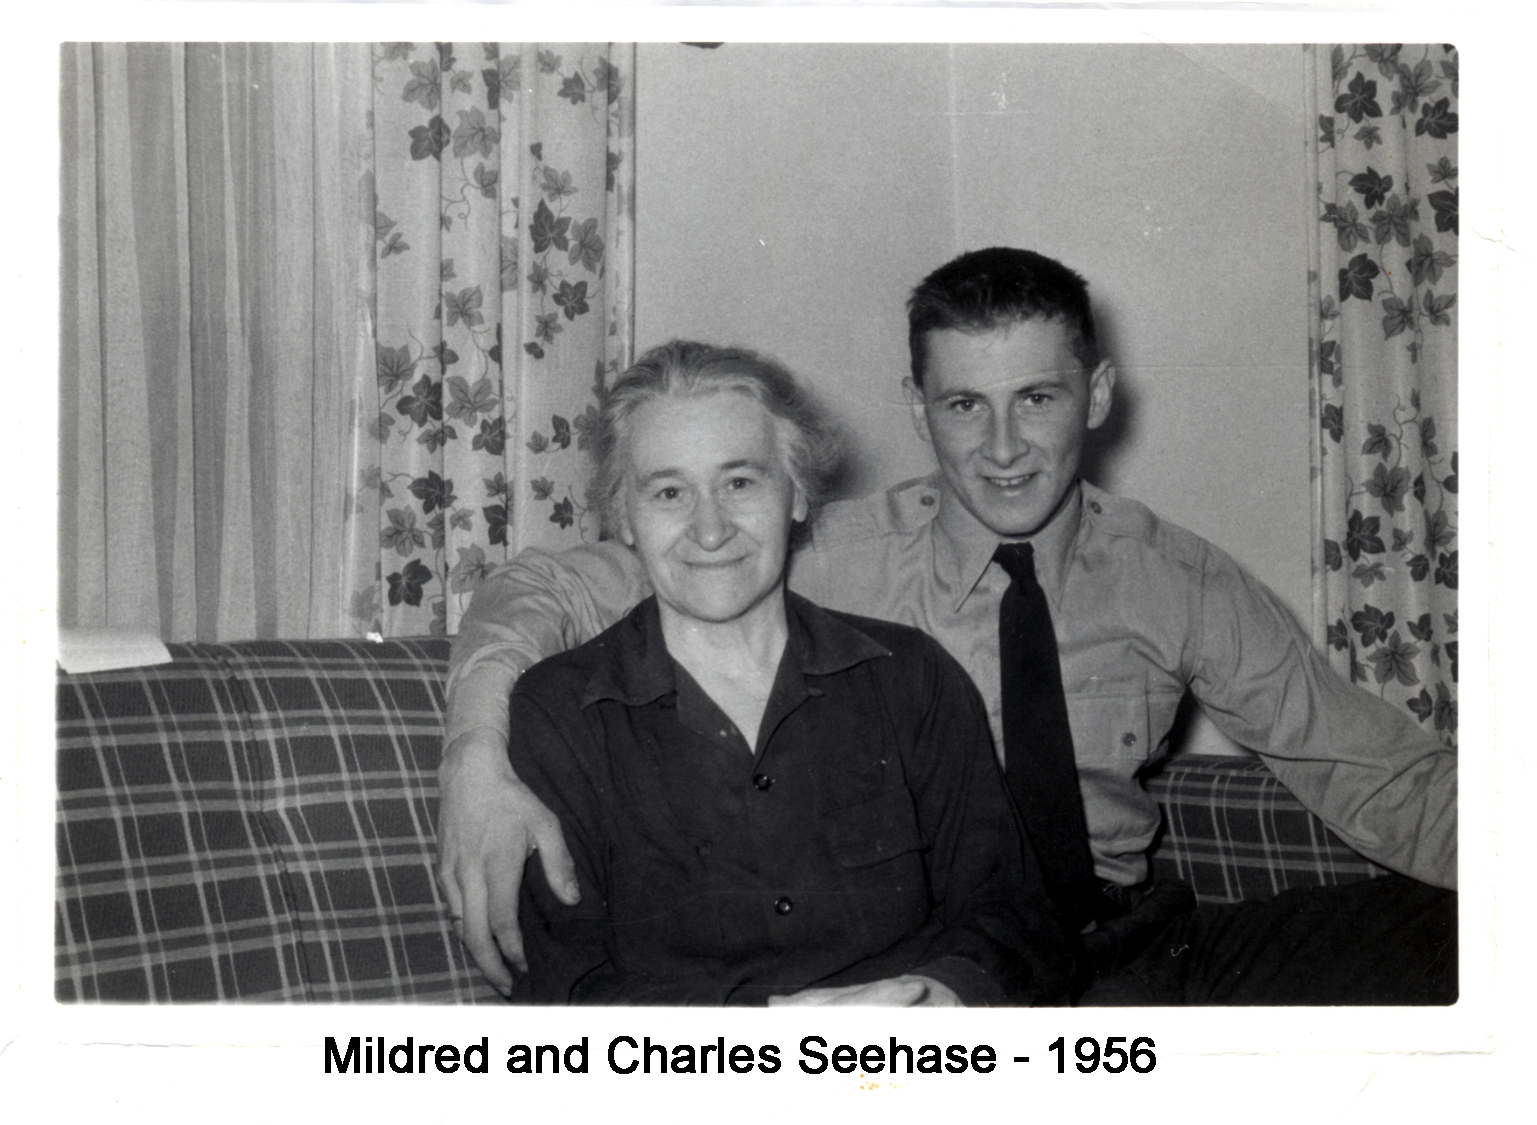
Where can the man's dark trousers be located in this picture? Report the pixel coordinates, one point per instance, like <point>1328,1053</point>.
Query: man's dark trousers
<point>1386,941</point>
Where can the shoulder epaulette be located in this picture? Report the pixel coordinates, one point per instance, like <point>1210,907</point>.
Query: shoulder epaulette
<point>1116,515</point>
<point>901,509</point>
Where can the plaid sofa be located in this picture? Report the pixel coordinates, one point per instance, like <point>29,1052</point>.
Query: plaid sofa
<point>254,821</point>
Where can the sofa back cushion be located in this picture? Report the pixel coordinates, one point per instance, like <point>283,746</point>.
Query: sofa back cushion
<point>1232,831</point>
<point>347,736</point>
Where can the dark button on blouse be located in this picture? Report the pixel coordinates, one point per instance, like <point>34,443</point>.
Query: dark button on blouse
<point>783,905</point>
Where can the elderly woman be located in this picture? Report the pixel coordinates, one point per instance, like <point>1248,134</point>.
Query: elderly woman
<point>765,800</point>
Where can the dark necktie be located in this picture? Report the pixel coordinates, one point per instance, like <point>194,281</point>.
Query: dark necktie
<point>1037,741</point>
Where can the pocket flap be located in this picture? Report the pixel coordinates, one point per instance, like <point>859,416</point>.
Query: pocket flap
<point>874,831</point>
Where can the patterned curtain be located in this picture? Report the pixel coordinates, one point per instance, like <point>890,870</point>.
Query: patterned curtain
<point>332,321</point>
<point>1384,370</point>
<point>504,225</point>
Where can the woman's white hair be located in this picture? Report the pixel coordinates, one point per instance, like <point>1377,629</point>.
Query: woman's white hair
<point>688,369</point>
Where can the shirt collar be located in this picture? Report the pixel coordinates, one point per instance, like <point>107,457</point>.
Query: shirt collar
<point>963,546</point>
<point>636,668</point>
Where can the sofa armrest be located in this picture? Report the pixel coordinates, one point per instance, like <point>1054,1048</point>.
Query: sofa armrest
<point>254,821</point>
<point>166,889</point>
<point>1232,831</point>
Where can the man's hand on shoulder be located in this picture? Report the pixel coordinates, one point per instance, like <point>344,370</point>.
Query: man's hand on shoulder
<point>489,823</point>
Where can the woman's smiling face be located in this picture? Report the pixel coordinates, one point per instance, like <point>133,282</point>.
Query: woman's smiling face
<point>708,503</point>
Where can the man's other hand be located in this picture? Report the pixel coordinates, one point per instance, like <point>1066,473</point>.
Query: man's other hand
<point>489,823</point>
<point>907,991</point>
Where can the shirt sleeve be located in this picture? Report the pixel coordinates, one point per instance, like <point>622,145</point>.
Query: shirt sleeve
<point>1386,786</point>
<point>1002,940</point>
<point>570,953</point>
<point>538,605</point>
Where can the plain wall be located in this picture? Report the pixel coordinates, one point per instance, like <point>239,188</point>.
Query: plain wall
<point>789,195</point>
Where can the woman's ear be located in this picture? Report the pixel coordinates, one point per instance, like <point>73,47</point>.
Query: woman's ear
<point>626,536</point>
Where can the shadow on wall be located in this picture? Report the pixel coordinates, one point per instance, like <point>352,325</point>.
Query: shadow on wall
<point>853,476</point>
<point>1103,450</point>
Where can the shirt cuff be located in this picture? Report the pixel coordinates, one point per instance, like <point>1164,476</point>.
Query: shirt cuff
<point>976,987</point>
<point>478,694</point>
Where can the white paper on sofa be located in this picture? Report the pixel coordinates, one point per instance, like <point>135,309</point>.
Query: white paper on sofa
<point>103,649</point>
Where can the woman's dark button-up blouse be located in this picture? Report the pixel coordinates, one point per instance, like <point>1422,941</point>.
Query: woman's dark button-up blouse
<point>867,835</point>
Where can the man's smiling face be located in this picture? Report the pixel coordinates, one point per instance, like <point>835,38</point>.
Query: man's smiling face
<point>1007,410</point>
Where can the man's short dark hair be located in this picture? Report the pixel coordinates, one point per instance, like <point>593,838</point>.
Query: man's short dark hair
<point>986,289</point>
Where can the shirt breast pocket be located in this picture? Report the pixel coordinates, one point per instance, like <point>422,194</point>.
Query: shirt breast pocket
<point>1110,724</point>
<point>880,876</point>
<point>1119,726</point>
<point>874,831</point>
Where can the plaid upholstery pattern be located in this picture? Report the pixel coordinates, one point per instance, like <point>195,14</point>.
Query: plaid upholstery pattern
<point>255,821</point>
<point>166,888</point>
<point>1232,831</point>
<point>348,734</point>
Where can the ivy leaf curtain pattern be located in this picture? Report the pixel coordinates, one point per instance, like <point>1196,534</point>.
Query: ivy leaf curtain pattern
<point>1383,355</point>
<point>334,317</point>
<point>503,226</point>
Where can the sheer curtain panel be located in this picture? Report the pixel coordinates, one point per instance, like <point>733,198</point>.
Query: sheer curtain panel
<point>333,319</point>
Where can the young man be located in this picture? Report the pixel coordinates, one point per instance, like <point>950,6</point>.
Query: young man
<point>1006,383</point>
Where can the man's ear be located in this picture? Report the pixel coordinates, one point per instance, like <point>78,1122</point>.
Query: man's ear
<point>1101,391</point>
<point>915,404</point>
